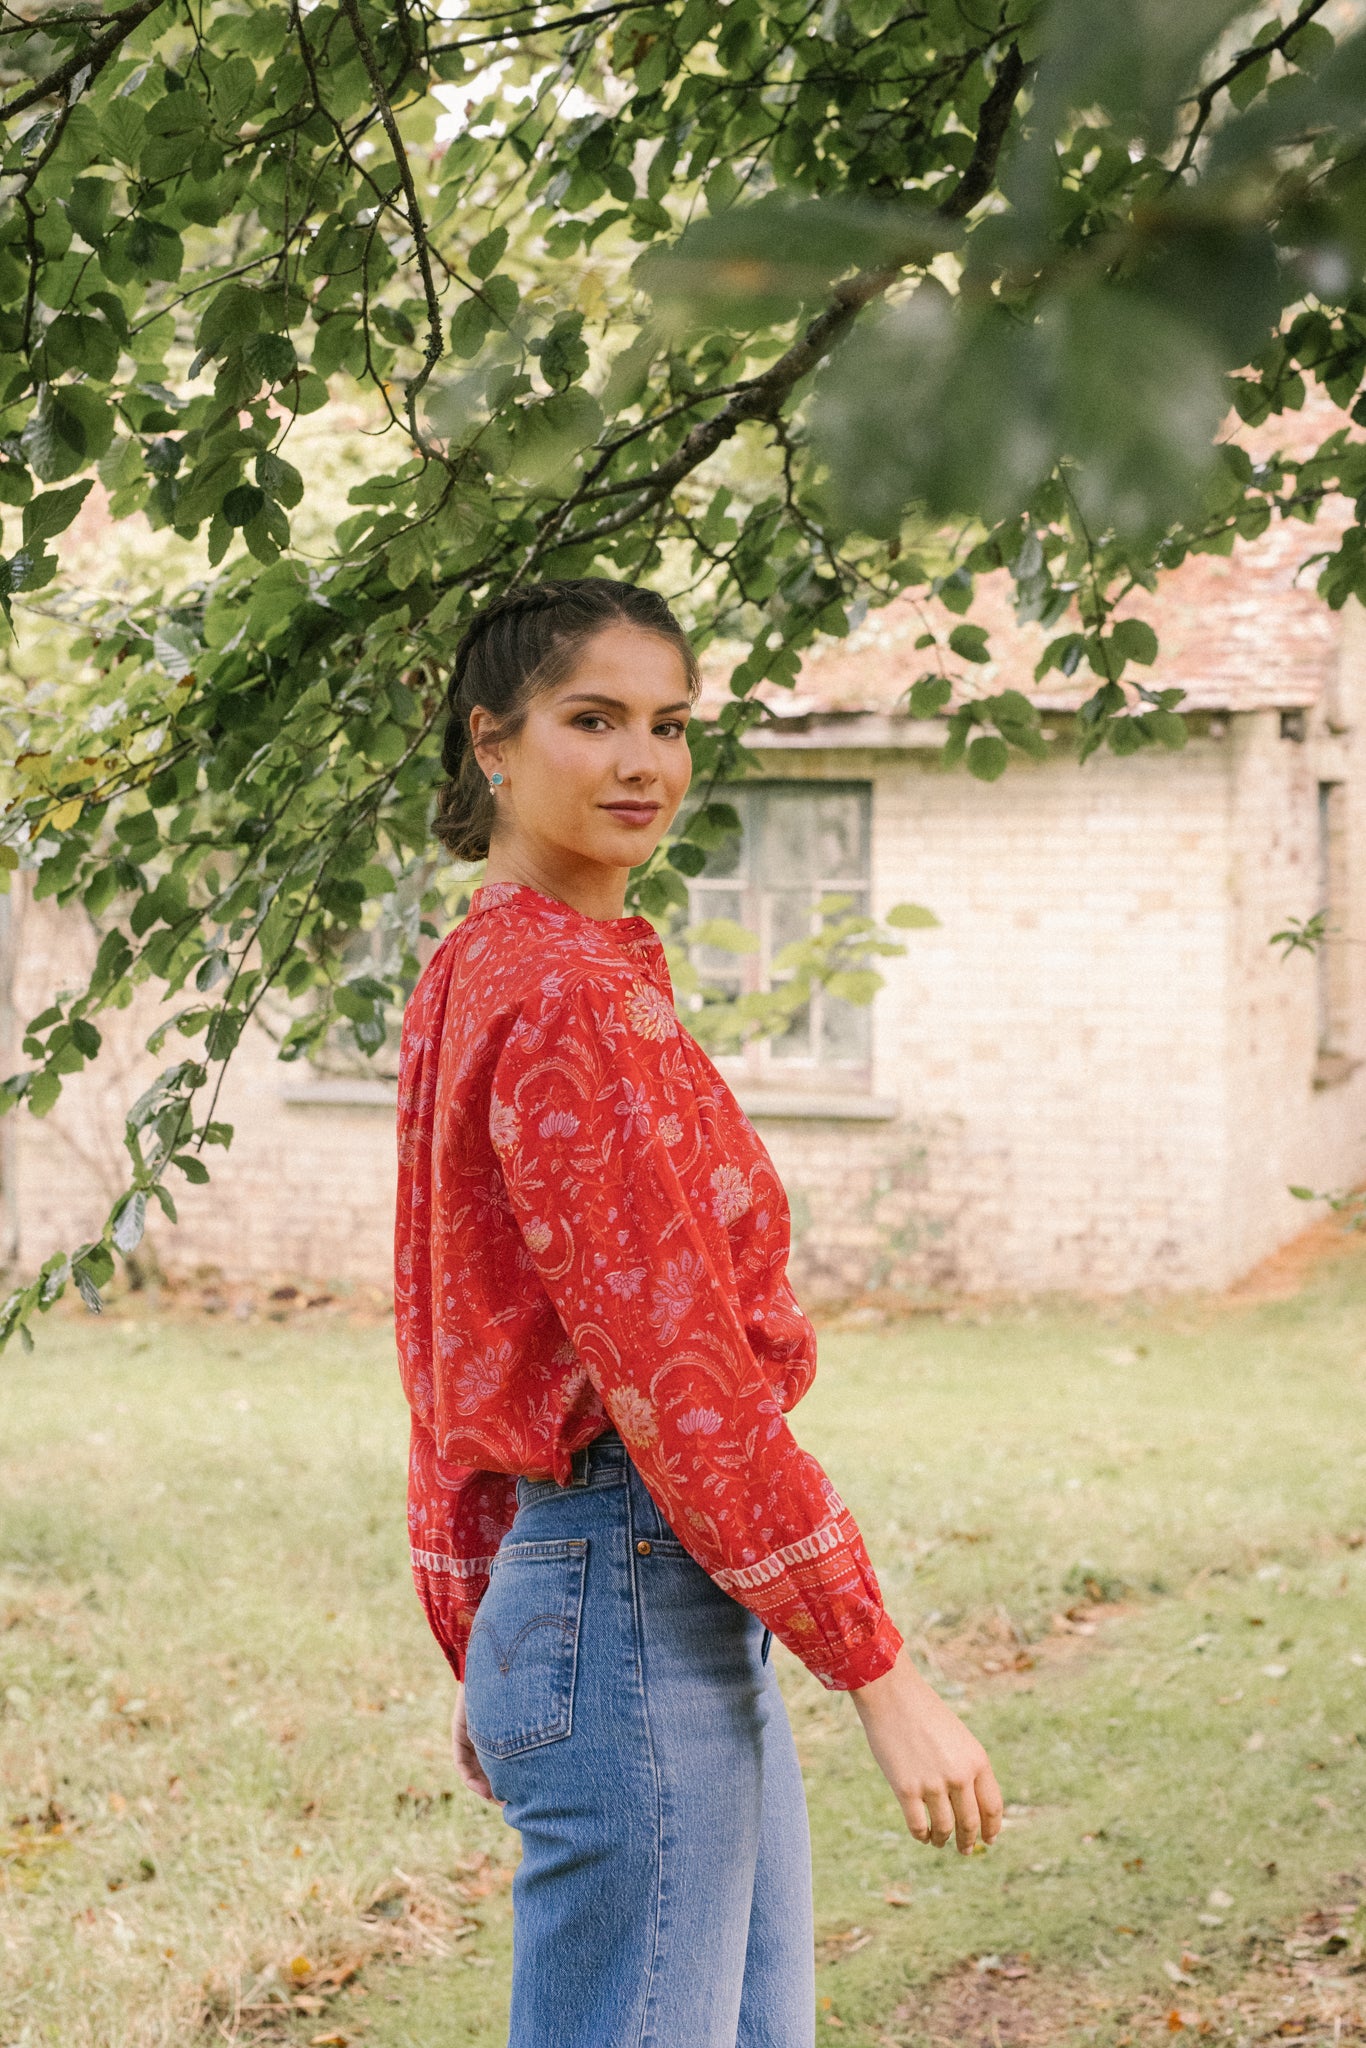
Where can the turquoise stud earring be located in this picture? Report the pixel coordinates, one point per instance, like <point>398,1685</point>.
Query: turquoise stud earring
<point>495,781</point>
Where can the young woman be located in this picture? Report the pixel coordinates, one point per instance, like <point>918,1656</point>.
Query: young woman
<point>609,1515</point>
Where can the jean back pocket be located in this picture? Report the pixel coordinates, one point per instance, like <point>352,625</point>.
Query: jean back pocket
<point>523,1649</point>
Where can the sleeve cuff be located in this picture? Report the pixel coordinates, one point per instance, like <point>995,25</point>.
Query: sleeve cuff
<point>869,1661</point>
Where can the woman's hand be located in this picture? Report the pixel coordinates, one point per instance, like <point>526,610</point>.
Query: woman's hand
<point>468,1767</point>
<point>937,1768</point>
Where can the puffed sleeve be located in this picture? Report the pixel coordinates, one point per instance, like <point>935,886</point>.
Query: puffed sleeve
<point>593,1102</point>
<point>457,1517</point>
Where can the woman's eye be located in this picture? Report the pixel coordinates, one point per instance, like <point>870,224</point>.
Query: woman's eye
<point>590,721</point>
<point>671,727</point>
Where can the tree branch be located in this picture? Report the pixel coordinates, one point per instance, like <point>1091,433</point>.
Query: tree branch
<point>763,396</point>
<point>543,28</point>
<point>435,346</point>
<point>1244,61</point>
<point>93,57</point>
<point>992,126</point>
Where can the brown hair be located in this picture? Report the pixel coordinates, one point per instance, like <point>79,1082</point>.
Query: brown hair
<point>518,646</point>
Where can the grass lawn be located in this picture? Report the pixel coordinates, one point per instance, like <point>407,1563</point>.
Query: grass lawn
<point>1128,1543</point>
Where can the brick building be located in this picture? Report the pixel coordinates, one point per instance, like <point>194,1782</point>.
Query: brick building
<point>1096,1073</point>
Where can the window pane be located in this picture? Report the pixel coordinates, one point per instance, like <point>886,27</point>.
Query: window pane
<point>789,918</point>
<point>785,838</point>
<point>800,841</point>
<point>845,1032</point>
<point>716,963</point>
<point>837,835</point>
<point>795,1043</point>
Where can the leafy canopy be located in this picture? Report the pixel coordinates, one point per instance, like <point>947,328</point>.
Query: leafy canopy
<point>785,306</point>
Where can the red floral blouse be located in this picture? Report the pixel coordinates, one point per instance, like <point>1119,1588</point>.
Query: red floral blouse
<point>590,1233</point>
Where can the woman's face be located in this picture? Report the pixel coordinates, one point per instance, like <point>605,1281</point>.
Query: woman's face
<point>598,771</point>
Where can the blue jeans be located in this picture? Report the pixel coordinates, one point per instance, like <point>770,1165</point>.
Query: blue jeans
<point>624,1709</point>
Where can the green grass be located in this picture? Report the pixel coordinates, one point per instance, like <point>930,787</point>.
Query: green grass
<point>224,1732</point>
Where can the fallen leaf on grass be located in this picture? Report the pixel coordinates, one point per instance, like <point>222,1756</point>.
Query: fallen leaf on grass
<point>1177,1974</point>
<point>835,1947</point>
<point>897,1899</point>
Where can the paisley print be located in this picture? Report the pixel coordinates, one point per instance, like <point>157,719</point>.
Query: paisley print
<point>590,1233</point>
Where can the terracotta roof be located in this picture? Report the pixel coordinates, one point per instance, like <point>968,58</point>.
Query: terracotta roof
<point>1243,632</point>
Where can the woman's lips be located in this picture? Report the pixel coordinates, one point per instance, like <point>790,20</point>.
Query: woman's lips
<point>633,814</point>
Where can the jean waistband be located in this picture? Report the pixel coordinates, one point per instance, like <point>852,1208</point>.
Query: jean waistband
<point>601,1459</point>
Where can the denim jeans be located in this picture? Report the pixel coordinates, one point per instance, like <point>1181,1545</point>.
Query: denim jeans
<point>625,1710</point>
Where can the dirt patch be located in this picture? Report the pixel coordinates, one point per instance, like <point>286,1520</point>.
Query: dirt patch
<point>1309,1986</point>
<point>993,1649</point>
<point>1286,1271</point>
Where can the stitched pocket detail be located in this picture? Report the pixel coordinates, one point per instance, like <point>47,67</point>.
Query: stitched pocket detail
<point>523,1649</point>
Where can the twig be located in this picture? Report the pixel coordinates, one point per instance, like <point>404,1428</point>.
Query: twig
<point>1244,61</point>
<point>543,28</point>
<point>93,58</point>
<point>435,348</point>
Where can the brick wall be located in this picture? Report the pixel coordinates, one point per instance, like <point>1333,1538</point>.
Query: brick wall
<point>1097,1073</point>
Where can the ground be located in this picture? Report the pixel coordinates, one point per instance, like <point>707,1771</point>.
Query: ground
<point>1127,1541</point>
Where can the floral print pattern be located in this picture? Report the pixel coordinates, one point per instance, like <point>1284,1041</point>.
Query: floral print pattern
<point>590,1234</point>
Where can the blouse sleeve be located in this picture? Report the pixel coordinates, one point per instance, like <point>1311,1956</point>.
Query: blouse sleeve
<point>591,1105</point>
<point>457,1517</point>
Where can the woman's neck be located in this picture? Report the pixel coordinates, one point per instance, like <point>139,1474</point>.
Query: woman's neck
<point>585,886</point>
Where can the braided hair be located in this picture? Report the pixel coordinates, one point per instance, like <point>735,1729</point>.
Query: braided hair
<point>520,645</point>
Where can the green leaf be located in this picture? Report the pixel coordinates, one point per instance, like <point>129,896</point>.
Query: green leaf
<point>271,357</point>
<point>52,513</point>
<point>43,1092</point>
<point>763,263</point>
<point>1141,398</point>
<point>856,985</point>
<point>931,404</point>
<point>130,1220</point>
<point>970,643</point>
<point>1169,727</point>
<point>911,917</point>
<point>687,858</point>
<point>1134,640</point>
<point>231,317</point>
<point>242,504</point>
<point>487,253</point>
<point>987,758</point>
<point>470,324</point>
<point>723,935</point>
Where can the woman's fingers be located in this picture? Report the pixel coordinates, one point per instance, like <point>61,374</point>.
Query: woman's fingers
<point>472,1774</point>
<point>967,1820</point>
<point>990,1804</point>
<point>940,1809</point>
<point>916,1818</point>
<point>468,1768</point>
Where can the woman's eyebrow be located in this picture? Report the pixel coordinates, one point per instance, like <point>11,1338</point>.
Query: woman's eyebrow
<point>615,703</point>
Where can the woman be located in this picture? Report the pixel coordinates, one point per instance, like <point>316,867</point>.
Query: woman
<point>608,1513</point>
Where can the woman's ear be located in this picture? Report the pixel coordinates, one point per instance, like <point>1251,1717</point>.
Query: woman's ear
<point>484,740</point>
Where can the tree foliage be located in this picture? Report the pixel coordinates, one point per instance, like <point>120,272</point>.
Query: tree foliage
<point>788,305</point>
